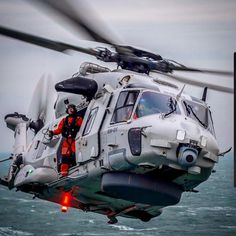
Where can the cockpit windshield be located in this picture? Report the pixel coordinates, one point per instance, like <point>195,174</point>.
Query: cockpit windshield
<point>153,103</point>
<point>196,111</point>
<point>200,113</point>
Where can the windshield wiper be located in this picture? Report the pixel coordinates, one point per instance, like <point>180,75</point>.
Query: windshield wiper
<point>189,109</point>
<point>172,106</point>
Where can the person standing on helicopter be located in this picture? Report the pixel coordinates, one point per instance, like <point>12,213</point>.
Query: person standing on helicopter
<point>68,127</point>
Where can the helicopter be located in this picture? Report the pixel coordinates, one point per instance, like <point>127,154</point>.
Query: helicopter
<point>143,141</point>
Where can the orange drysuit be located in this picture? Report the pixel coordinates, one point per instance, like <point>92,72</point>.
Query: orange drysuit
<point>68,127</point>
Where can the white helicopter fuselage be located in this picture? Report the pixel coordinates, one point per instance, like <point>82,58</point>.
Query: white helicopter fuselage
<point>108,145</point>
<point>142,143</point>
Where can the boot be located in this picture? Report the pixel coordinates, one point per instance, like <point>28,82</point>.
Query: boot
<point>64,169</point>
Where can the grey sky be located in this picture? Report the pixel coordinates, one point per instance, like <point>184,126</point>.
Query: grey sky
<point>196,33</point>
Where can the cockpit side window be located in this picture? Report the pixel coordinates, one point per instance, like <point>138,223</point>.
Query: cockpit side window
<point>124,106</point>
<point>153,103</point>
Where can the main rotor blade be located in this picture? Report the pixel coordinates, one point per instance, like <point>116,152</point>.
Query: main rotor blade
<point>43,42</point>
<point>77,17</point>
<point>189,69</point>
<point>67,11</point>
<point>200,84</point>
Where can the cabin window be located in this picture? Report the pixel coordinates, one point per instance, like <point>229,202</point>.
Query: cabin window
<point>135,141</point>
<point>124,106</point>
<point>90,121</point>
<point>153,103</point>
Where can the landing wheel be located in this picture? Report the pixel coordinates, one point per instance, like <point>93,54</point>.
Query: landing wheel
<point>112,220</point>
<point>145,219</point>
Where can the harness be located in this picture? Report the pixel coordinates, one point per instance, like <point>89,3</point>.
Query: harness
<point>70,129</point>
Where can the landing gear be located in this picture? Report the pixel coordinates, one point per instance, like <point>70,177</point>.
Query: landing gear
<point>15,167</point>
<point>112,220</point>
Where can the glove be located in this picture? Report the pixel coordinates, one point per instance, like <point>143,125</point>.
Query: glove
<point>50,133</point>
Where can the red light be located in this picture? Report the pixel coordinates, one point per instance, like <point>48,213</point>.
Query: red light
<point>65,202</point>
<point>64,208</point>
<point>66,199</point>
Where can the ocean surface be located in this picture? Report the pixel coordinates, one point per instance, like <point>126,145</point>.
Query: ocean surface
<point>212,211</point>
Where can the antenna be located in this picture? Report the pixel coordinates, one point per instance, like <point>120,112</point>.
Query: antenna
<point>204,95</point>
<point>179,94</point>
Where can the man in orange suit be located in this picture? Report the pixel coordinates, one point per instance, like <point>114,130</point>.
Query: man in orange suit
<point>68,127</point>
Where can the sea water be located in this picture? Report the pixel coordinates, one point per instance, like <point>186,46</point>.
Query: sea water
<point>212,211</point>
